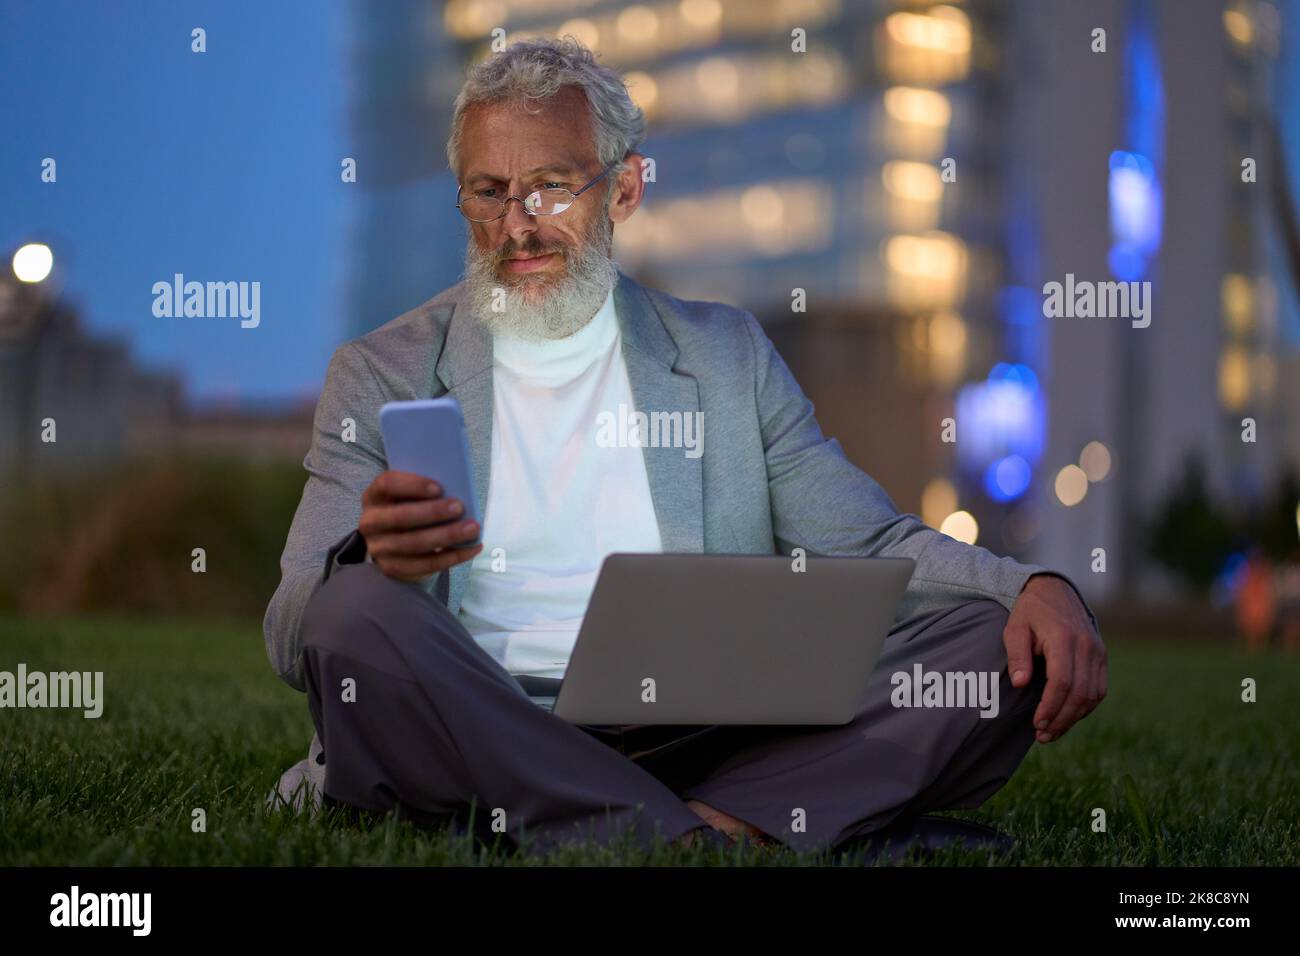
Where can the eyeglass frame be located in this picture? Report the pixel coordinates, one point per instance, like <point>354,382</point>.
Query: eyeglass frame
<point>505,202</point>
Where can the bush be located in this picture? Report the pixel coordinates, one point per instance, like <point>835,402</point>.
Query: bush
<point>121,538</point>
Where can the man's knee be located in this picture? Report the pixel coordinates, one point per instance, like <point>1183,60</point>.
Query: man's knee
<point>364,614</point>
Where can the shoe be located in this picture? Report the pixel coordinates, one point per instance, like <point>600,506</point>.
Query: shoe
<point>923,836</point>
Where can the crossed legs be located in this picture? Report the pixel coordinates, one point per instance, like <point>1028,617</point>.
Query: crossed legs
<point>415,717</point>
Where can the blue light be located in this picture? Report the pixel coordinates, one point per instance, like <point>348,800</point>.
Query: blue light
<point>1126,263</point>
<point>1135,193</point>
<point>1014,372</point>
<point>1135,202</point>
<point>1021,306</point>
<point>1007,478</point>
<point>1003,416</point>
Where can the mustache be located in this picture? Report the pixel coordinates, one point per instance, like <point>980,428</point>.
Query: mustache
<point>510,249</point>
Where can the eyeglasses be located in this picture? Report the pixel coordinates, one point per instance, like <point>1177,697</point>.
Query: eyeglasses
<point>541,202</point>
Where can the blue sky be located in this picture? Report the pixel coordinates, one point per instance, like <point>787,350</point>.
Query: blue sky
<point>222,166</point>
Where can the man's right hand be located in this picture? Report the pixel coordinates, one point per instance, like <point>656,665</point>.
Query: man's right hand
<point>411,531</point>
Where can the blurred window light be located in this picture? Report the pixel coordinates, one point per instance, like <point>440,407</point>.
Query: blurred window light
<point>908,104</point>
<point>768,219</point>
<point>925,271</point>
<point>718,79</point>
<point>765,16</point>
<point>473,19</point>
<point>910,180</point>
<point>913,193</point>
<point>701,14</point>
<point>639,32</point>
<point>1004,415</point>
<point>1135,214</point>
<point>915,121</point>
<point>761,207</point>
<point>931,48</point>
<point>1095,461</point>
<point>732,89</point>
<point>946,30</point>
<point>1237,24</point>
<point>1237,295</point>
<point>938,501</point>
<point>1071,485</point>
<point>637,24</point>
<point>33,262</point>
<point>962,526</point>
<point>1234,378</point>
<point>582,30</point>
<point>931,256</point>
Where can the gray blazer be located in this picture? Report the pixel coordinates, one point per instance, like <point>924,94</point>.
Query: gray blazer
<point>767,482</point>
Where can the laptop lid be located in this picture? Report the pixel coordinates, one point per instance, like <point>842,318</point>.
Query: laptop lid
<point>730,639</point>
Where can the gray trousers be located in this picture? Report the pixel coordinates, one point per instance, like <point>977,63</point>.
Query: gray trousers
<point>415,717</point>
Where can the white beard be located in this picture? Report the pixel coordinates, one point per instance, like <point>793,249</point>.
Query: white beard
<point>539,307</point>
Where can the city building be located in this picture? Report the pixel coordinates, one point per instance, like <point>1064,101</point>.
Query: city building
<point>890,185</point>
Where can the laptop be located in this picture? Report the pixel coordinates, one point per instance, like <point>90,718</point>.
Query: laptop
<point>726,639</point>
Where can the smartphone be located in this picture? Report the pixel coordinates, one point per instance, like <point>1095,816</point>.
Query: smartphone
<point>427,437</point>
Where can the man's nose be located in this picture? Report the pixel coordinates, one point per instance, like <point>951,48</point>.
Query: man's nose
<point>517,223</point>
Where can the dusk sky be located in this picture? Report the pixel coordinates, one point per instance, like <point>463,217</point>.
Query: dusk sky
<point>223,166</point>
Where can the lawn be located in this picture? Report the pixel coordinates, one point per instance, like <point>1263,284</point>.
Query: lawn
<point>1186,772</point>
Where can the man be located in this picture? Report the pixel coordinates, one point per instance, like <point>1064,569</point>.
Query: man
<point>416,653</point>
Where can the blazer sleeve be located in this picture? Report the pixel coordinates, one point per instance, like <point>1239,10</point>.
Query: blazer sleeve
<point>824,504</point>
<point>323,534</point>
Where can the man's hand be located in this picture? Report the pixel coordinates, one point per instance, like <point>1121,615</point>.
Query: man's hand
<point>410,530</point>
<point>1049,619</point>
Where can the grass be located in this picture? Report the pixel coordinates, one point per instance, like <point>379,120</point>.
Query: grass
<point>1187,774</point>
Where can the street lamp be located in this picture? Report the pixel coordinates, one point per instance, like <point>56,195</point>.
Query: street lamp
<point>33,262</point>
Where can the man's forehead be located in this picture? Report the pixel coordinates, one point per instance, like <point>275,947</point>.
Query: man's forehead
<point>542,136</point>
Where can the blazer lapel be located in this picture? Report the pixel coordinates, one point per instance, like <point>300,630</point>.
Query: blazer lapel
<point>465,369</point>
<point>676,482</point>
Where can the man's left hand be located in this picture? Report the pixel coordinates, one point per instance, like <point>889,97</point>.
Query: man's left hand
<point>1049,619</point>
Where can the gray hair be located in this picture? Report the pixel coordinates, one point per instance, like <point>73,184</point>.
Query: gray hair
<point>537,69</point>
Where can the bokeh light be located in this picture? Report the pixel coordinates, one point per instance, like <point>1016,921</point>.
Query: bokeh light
<point>1071,485</point>
<point>1007,478</point>
<point>1095,461</point>
<point>33,262</point>
<point>962,526</point>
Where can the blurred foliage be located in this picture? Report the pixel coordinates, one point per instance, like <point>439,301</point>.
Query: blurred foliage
<point>1193,535</point>
<point>122,537</point>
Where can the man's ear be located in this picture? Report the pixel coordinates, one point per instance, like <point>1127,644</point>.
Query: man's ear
<point>629,187</point>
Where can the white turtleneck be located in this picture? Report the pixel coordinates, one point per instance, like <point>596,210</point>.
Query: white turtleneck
<point>558,503</point>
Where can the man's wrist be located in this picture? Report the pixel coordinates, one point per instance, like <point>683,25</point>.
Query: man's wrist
<point>1071,585</point>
